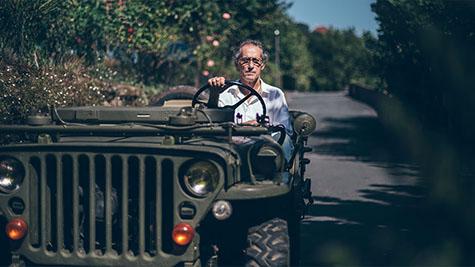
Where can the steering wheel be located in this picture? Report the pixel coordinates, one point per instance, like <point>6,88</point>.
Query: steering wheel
<point>214,96</point>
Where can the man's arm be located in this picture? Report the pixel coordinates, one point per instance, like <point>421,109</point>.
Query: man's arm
<point>279,114</point>
<point>214,94</point>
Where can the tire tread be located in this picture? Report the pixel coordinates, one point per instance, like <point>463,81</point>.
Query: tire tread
<point>268,244</point>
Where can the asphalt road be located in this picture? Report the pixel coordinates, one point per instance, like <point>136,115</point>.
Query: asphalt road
<point>366,195</point>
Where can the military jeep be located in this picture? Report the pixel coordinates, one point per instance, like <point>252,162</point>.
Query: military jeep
<point>152,186</point>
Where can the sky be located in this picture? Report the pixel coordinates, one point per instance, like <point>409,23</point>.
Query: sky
<point>337,13</point>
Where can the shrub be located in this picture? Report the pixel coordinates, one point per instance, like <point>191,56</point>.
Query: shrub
<point>27,89</point>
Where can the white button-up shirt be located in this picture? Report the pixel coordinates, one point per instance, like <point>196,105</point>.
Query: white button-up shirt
<point>274,98</point>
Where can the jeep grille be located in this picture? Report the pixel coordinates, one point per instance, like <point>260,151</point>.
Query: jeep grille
<point>101,205</point>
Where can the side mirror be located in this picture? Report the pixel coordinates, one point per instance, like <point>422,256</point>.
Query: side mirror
<point>303,123</point>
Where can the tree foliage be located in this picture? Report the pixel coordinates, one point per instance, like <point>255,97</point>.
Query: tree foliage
<point>169,42</point>
<point>341,57</point>
<point>149,41</point>
<point>426,54</point>
<point>296,64</point>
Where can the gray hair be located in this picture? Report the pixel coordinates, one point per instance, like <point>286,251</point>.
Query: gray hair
<point>238,52</point>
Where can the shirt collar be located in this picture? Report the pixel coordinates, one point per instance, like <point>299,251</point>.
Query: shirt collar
<point>264,88</point>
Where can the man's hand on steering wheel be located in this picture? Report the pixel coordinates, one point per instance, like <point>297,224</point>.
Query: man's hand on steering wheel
<point>222,84</point>
<point>217,81</point>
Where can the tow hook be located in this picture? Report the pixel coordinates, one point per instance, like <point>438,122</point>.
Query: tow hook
<point>17,261</point>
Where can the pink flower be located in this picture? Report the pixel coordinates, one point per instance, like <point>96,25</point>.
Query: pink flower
<point>226,15</point>
<point>210,63</point>
<point>215,43</point>
<point>205,73</point>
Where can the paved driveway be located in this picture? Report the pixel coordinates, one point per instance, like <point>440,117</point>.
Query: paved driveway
<point>366,195</point>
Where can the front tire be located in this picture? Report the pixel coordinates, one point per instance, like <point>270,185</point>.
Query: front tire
<point>268,244</point>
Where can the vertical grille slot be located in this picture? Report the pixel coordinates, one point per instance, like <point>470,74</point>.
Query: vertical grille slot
<point>108,205</point>
<point>49,175</point>
<point>84,201</point>
<point>75,189</point>
<point>141,207</point>
<point>133,173</point>
<point>35,232</point>
<point>158,207</point>
<point>150,197</point>
<point>167,205</point>
<point>125,207</point>
<point>100,173</point>
<point>68,202</point>
<point>117,192</point>
<point>92,206</point>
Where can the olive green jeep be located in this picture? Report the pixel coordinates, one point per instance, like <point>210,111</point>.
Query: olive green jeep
<point>152,186</point>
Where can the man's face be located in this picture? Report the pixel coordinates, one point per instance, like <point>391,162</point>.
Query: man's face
<point>250,63</point>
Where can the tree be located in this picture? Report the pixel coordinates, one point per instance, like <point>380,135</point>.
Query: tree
<point>155,42</point>
<point>26,25</point>
<point>341,57</point>
<point>296,63</point>
<point>426,54</point>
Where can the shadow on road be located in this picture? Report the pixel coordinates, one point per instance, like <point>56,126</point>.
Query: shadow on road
<point>361,137</point>
<point>393,224</point>
<point>396,230</point>
<point>364,139</point>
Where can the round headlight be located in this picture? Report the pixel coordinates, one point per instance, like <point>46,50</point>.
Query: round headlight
<point>200,178</point>
<point>12,173</point>
<point>266,160</point>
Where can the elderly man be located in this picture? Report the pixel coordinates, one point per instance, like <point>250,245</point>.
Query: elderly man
<point>250,60</point>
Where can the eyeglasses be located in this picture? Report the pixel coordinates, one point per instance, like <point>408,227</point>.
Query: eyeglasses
<point>245,61</point>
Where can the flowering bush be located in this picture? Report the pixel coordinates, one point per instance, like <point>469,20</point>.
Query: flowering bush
<point>27,89</point>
